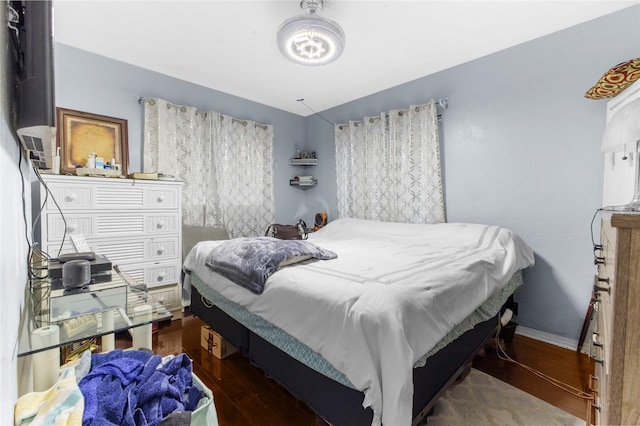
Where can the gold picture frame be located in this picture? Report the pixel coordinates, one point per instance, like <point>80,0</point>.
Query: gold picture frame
<point>80,134</point>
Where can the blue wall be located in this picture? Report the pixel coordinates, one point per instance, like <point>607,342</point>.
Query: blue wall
<point>520,148</point>
<point>520,144</point>
<point>96,84</point>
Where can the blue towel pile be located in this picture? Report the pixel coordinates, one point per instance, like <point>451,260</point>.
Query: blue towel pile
<point>137,388</point>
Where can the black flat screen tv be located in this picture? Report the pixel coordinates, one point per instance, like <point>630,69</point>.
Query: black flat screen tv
<point>31,30</point>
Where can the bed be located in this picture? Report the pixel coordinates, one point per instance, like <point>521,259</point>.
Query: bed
<point>375,335</point>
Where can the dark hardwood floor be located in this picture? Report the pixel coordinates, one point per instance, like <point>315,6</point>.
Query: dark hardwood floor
<point>565,365</point>
<point>245,396</point>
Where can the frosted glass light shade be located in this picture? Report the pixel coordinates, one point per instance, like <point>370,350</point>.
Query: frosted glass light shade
<point>310,40</point>
<point>623,130</point>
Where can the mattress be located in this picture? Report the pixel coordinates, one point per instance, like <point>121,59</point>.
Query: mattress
<point>394,292</point>
<point>315,361</point>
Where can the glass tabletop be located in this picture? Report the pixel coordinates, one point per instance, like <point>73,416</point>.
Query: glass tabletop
<point>56,317</point>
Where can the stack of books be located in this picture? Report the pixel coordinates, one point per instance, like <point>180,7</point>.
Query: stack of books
<point>141,175</point>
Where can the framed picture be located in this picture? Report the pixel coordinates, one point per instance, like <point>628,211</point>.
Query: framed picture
<point>81,134</point>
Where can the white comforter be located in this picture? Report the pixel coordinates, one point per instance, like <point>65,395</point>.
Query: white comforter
<point>393,292</point>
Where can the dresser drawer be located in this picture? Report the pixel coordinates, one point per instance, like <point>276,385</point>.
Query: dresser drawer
<point>85,193</point>
<point>609,242</point>
<point>605,329</point>
<point>122,251</point>
<point>134,194</point>
<point>72,224</point>
<point>155,274</point>
<point>163,248</point>
<point>138,250</point>
<point>110,224</point>
<point>94,225</point>
<point>600,348</point>
<point>160,274</point>
<point>156,223</point>
<point>70,196</point>
<point>168,296</point>
<point>161,198</point>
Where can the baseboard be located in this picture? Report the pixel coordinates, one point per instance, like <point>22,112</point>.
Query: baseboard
<point>553,339</point>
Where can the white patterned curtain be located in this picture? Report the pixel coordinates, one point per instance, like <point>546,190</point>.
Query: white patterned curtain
<point>210,154</point>
<point>388,169</point>
<point>243,159</point>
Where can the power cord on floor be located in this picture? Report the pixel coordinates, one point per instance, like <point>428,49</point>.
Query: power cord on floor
<point>578,393</point>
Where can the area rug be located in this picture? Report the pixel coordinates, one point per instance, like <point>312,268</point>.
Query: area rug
<point>484,400</point>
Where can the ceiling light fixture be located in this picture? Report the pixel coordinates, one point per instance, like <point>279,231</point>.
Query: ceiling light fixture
<point>310,39</point>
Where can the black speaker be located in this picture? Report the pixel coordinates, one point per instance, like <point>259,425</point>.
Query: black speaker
<point>76,274</point>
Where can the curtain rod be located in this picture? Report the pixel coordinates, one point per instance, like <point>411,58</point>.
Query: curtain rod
<point>183,108</point>
<point>442,103</point>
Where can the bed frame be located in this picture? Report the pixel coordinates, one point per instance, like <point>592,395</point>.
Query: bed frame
<point>335,403</point>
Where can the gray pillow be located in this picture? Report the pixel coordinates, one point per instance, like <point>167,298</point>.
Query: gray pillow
<point>248,262</point>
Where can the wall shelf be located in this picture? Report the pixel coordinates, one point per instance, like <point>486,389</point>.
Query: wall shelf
<point>303,162</point>
<point>303,183</point>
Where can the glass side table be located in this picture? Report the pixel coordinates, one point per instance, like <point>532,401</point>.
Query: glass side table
<point>54,318</point>
<point>103,308</point>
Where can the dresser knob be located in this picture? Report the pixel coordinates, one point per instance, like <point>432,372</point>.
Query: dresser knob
<point>595,342</point>
<point>603,280</point>
<point>598,260</point>
<point>160,198</point>
<point>599,361</point>
<point>605,289</point>
<point>161,276</point>
<point>70,197</point>
<point>160,225</point>
<point>161,250</point>
<point>71,228</point>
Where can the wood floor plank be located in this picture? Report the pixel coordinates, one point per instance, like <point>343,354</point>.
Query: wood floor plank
<point>244,395</point>
<point>564,365</point>
<point>236,389</point>
<point>252,409</point>
<point>240,379</point>
<point>288,407</point>
<point>227,411</point>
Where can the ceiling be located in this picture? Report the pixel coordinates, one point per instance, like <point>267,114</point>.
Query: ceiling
<point>230,45</point>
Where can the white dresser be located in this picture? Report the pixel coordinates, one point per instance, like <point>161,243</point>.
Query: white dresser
<point>136,224</point>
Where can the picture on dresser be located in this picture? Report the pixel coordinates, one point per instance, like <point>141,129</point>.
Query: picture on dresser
<point>92,141</point>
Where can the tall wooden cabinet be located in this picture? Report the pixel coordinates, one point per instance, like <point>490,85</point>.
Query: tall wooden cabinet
<point>616,339</point>
<point>136,224</point>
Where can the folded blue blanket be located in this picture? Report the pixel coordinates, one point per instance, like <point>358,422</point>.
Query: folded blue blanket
<point>248,262</point>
